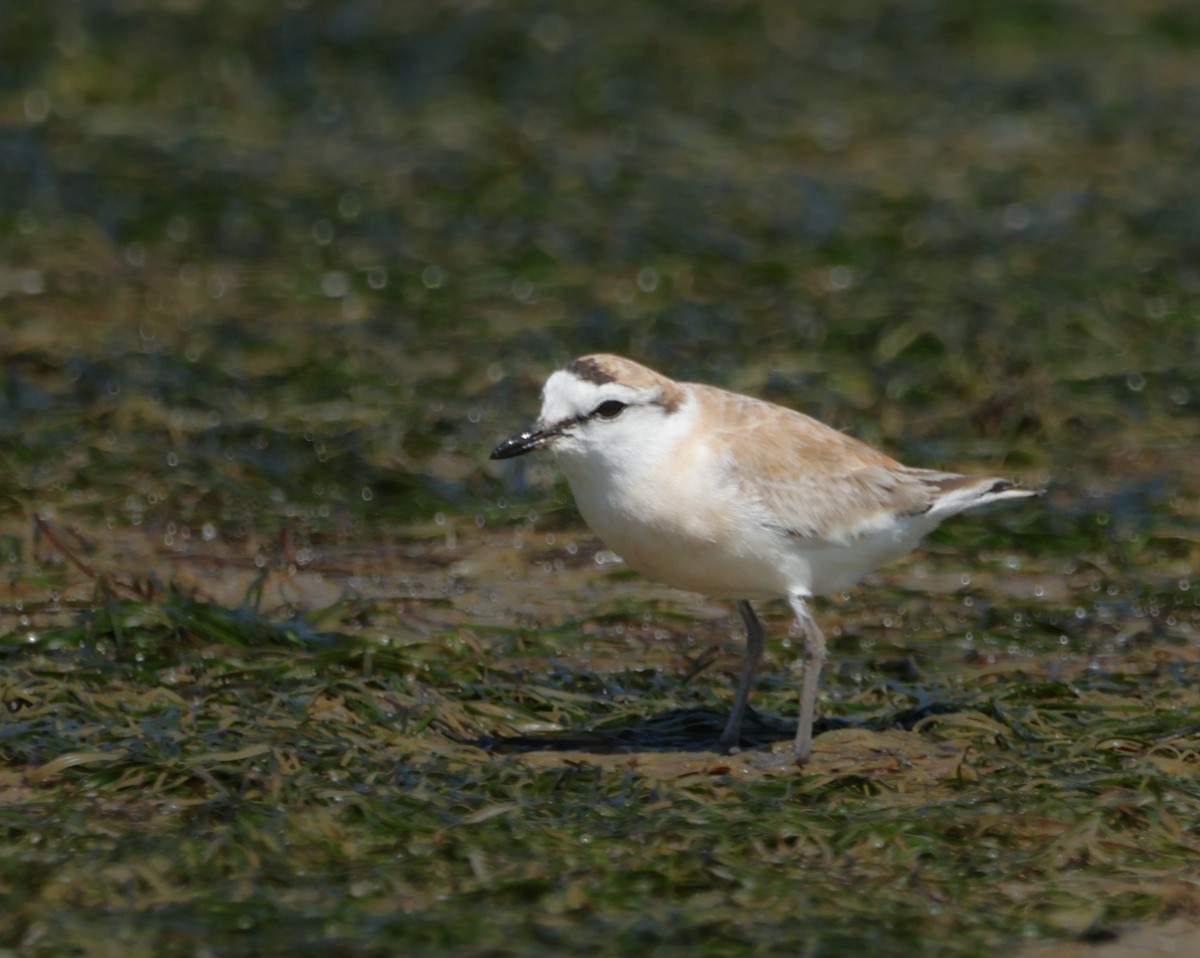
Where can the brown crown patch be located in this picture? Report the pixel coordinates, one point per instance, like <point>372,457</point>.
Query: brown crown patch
<point>603,368</point>
<point>590,369</point>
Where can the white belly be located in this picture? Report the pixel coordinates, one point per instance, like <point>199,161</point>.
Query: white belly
<point>709,545</point>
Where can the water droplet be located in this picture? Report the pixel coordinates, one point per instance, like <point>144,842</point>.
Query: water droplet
<point>37,106</point>
<point>335,285</point>
<point>839,278</point>
<point>523,290</point>
<point>349,205</point>
<point>322,232</point>
<point>178,229</point>
<point>647,279</point>
<point>31,282</point>
<point>551,31</point>
<point>1017,216</point>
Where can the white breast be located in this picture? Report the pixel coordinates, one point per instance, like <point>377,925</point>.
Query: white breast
<point>667,508</point>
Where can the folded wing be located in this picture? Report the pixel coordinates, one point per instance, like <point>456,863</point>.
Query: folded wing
<point>814,482</point>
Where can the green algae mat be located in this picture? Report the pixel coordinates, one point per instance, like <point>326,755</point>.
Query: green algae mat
<point>288,667</point>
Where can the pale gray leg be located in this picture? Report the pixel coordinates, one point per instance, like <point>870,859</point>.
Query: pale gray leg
<point>755,641</point>
<point>814,659</point>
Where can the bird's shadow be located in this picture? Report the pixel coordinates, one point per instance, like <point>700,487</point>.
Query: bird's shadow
<point>690,730</point>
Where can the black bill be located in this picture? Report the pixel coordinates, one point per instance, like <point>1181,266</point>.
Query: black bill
<point>524,442</point>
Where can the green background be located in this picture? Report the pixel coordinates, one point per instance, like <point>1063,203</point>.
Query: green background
<point>277,640</point>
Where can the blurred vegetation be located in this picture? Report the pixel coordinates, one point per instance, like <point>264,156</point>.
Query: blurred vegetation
<point>289,669</point>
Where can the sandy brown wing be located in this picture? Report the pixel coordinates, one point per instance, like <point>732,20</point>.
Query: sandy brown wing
<point>810,480</point>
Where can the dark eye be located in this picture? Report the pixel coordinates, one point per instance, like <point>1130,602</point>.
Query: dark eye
<point>610,409</point>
